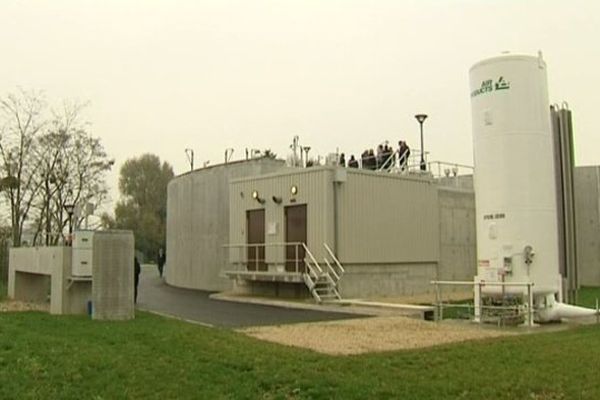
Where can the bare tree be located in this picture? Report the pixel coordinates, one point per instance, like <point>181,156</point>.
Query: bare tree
<point>21,121</point>
<point>49,160</point>
<point>72,170</point>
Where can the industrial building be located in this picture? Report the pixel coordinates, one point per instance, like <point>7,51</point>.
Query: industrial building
<point>262,226</point>
<point>392,233</point>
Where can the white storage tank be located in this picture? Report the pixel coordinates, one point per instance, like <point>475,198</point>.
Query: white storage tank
<point>515,190</point>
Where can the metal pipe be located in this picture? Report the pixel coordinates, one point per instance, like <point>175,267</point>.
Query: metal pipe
<point>530,305</point>
<point>438,305</point>
<point>482,283</point>
<point>335,215</point>
<point>480,305</point>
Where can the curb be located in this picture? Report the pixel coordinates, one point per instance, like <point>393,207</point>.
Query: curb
<point>344,307</point>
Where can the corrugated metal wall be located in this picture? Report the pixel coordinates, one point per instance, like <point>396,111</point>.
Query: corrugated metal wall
<point>387,219</point>
<point>315,189</point>
<point>381,218</point>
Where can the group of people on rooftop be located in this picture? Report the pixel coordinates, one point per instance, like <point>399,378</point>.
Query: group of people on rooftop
<point>385,157</point>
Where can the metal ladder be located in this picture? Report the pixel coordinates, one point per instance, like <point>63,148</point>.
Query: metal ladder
<point>323,282</point>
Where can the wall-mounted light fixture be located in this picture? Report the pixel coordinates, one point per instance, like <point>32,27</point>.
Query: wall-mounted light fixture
<point>256,197</point>
<point>277,199</point>
<point>294,190</point>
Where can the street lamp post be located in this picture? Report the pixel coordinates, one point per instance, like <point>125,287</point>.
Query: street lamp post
<point>69,208</point>
<point>190,155</point>
<point>421,118</point>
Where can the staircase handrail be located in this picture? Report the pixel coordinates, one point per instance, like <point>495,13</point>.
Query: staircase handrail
<point>312,258</point>
<point>331,270</point>
<point>334,258</point>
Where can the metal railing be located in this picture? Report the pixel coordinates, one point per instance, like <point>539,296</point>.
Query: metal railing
<point>388,163</point>
<point>441,169</point>
<point>255,254</point>
<point>338,271</point>
<point>313,270</point>
<point>478,307</point>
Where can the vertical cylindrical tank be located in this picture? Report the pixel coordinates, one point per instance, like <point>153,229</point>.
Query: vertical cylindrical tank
<point>515,188</point>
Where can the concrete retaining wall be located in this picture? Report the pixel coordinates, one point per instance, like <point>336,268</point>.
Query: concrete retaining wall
<point>387,280</point>
<point>458,244</point>
<point>113,271</point>
<point>198,222</point>
<point>43,274</point>
<point>587,220</point>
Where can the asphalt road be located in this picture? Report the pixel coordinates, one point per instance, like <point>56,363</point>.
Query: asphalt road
<point>155,295</point>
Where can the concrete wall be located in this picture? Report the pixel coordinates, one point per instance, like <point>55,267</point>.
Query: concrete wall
<point>42,274</point>
<point>587,220</point>
<point>387,280</point>
<point>198,222</point>
<point>458,242</point>
<point>277,289</point>
<point>112,270</point>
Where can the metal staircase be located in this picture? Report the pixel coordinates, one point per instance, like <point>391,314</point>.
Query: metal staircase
<point>322,279</point>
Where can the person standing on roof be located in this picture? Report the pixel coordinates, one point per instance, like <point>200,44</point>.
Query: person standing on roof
<point>403,154</point>
<point>352,162</point>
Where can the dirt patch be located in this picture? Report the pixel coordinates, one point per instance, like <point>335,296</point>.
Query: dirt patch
<point>11,305</point>
<point>371,334</point>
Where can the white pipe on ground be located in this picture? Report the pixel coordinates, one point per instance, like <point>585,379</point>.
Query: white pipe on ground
<point>556,311</point>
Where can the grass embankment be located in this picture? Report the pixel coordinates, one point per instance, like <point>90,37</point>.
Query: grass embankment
<point>48,357</point>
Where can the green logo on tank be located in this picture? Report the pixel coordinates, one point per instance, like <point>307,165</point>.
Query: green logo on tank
<point>490,86</point>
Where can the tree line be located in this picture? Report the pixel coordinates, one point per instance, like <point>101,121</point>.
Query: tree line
<point>142,208</point>
<point>51,166</point>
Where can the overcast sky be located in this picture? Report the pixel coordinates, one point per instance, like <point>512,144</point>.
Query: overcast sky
<point>162,76</point>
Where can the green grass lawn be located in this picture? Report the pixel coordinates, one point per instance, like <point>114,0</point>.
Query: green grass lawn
<point>49,357</point>
<point>587,296</point>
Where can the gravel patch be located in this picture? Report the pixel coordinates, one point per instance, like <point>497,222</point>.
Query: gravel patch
<point>371,334</point>
<point>12,305</point>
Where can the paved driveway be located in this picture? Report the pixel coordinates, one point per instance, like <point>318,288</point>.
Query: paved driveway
<point>155,295</point>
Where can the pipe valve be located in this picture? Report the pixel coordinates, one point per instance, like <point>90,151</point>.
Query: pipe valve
<point>528,254</point>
